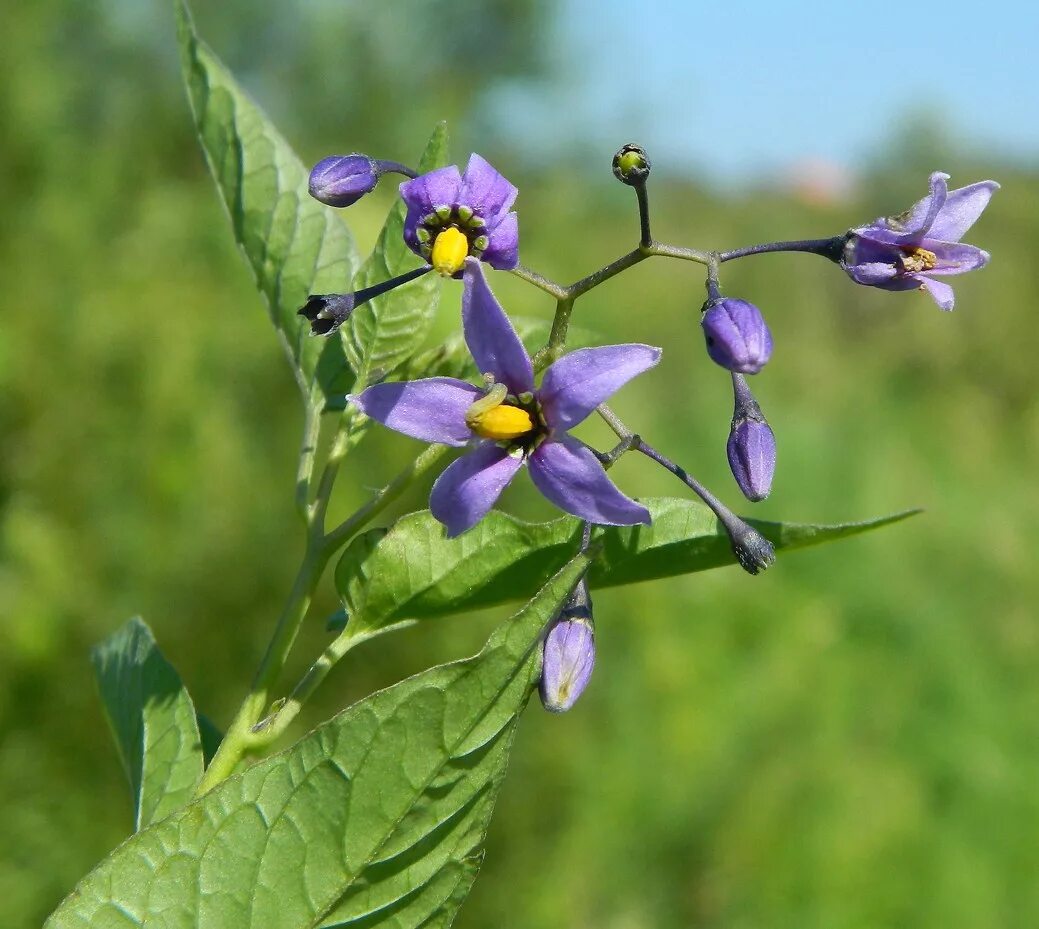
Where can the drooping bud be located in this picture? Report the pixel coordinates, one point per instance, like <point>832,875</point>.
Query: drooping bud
<point>631,165</point>
<point>341,180</point>
<point>751,447</point>
<point>327,312</point>
<point>752,550</point>
<point>568,653</point>
<point>737,336</point>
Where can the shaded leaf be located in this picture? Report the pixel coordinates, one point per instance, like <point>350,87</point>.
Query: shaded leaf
<point>386,331</point>
<point>294,245</point>
<point>375,818</point>
<point>152,719</point>
<point>413,571</point>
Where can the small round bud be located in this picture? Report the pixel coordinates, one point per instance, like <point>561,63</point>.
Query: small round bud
<point>737,336</point>
<point>631,165</point>
<point>341,180</point>
<point>568,653</point>
<point>752,457</point>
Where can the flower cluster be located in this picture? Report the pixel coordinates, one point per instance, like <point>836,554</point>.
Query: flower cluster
<point>458,222</point>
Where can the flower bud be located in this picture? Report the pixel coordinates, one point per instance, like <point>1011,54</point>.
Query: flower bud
<point>568,653</point>
<point>752,445</point>
<point>341,180</point>
<point>737,335</point>
<point>327,312</point>
<point>631,165</point>
<point>752,550</point>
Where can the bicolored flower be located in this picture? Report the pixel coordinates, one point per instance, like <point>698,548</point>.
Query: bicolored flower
<point>453,216</point>
<point>512,422</point>
<point>908,251</point>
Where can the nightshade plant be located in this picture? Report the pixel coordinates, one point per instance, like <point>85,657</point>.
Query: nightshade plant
<point>378,816</point>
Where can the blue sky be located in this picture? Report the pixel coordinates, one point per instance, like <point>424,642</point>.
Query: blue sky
<point>736,89</point>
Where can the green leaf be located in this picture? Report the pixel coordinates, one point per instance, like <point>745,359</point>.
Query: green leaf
<point>376,818</point>
<point>152,719</point>
<point>294,245</point>
<point>413,571</point>
<point>384,332</point>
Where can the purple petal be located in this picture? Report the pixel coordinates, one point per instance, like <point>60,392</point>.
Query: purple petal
<point>568,474</point>
<point>492,341</point>
<point>939,290</point>
<point>485,191</point>
<point>955,257</point>
<point>577,383</point>
<point>917,220</point>
<point>428,191</point>
<point>872,273</point>
<point>468,488</point>
<point>961,210</point>
<point>502,250</point>
<point>432,409</point>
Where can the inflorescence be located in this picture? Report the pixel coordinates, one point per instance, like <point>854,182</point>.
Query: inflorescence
<point>458,222</point>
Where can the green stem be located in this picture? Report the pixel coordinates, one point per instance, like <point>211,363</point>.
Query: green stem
<point>307,454</point>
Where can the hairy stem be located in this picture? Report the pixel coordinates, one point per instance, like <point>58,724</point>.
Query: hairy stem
<point>829,248</point>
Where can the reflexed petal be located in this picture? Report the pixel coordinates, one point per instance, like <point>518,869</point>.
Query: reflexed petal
<point>468,488</point>
<point>955,257</point>
<point>485,191</point>
<point>432,409</point>
<point>502,250</point>
<point>961,210</point>
<point>917,220</point>
<point>940,291</point>
<point>428,191</point>
<point>568,473</point>
<point>492,341</point>
<point>577,383</point>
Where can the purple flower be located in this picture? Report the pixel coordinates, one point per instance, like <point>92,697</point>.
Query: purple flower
<point>513,422</point>
<point>737,336</point>
<point>905,252</point>
<point>568,653</point>
<point>453,216</point>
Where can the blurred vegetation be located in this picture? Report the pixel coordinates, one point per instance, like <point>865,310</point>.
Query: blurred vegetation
<point>851,740</point>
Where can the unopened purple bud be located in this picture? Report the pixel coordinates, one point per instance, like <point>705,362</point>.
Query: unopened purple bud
<point>327,312</point>
<point>737,336</point>
<point>568,653</point>
<point>752,457</point>
<point>752,445</point>
<point>341,180</point>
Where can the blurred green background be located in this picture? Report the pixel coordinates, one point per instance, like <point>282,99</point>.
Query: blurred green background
<point>851,740</point>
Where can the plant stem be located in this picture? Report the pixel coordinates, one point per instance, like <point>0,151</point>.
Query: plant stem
<point>307,453</point>
<point>829,248</point>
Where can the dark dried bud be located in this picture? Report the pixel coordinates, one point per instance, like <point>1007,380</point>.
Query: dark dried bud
<point>753,551</point>
<point>737,335</point>
<point>327,312</point>
<point>341,180</point>
<point>568,653</point>
<point>631,165</point>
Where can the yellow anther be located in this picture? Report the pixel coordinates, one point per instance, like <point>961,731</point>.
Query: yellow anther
<point>919,259</point>
<point>450,249</point>
<point>502,423</point>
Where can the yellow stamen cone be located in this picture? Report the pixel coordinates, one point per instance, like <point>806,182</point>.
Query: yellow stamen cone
<point>450,249</point>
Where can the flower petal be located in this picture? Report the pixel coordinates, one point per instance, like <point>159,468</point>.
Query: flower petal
<point>577,383</point>
<point>432,409</point>
<point>468,488</point>
<point>492,341</point>
<point>502,250</point>
<point>961,210</point>
<point>917,220</point>
<point>872,273</point>
<point>955,257</point>
<point>940,291</point>
<point>485,191</point>
<point>423,194</point>
<point>568,473</point>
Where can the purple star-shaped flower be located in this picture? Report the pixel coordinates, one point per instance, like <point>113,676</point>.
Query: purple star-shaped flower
<point>513,422</point>
<point>905,252</point>
<point>453,216</point>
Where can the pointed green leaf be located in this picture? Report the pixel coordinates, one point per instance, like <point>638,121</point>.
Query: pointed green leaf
<point>414,572</point>
<point>294,245</point>
<point>376,818</point>
<point>152,719</point>
<point>384,332</point>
